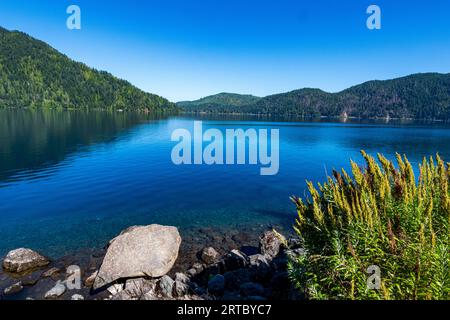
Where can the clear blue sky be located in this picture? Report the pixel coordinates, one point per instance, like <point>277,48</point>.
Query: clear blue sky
<point>183,49</point>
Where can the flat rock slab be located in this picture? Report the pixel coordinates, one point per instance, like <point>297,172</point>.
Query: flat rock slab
<point>23,260</point>
<point>144,251</point>
<point>57,291</point>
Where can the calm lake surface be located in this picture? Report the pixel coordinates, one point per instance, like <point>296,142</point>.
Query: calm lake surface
<point>73,180</point>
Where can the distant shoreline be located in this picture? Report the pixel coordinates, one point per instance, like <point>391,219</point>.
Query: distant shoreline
<point>294,116</point>
<point>261,115</point>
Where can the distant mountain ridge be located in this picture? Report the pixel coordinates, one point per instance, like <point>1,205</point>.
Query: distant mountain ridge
<point>218,102</point>
<point>33,74</point>
<point>418,96</point>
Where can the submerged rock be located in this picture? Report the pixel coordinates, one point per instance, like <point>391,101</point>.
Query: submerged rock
<point>13,289</point>
<point>50,272</point>
<point>216,285</point>
<point>89,281</point>
<point>31,279</point>
<point>252,289</point>
<point>256,298</point>
<point>147,251</point>
<point>58,290</point>
<point>234,279</point>
<point>231,296</point>
<point>22,260</point>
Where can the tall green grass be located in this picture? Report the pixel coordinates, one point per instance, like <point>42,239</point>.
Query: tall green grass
<point>380,215</point>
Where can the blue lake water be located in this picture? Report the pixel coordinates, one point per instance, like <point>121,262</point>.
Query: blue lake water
<point>73,180</point>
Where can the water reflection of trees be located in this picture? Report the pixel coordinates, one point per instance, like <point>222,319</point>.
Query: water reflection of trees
<point>35,139</point>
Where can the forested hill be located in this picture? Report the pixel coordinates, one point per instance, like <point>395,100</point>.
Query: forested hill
<point>219,102</point>
<point>418,96</point>
<point>32,74</point>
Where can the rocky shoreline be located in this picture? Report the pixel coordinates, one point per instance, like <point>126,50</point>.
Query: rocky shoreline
<point>154,263</point>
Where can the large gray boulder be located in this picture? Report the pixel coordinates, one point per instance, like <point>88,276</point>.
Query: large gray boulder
<point>23,260</point>
<point>142,251</point>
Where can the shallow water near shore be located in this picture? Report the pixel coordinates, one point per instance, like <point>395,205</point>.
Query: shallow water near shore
<point>73,180</point>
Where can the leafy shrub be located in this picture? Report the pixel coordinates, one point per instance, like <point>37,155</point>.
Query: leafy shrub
<point>380,216</point>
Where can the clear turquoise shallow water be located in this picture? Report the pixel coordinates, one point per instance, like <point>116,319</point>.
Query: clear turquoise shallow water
<point>73,180</point>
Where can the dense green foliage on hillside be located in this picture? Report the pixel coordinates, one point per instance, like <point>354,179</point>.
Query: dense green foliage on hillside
<point>218,103</point>
<point>419,96</point>
<point>32,74</point>
<point>378,234</point>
